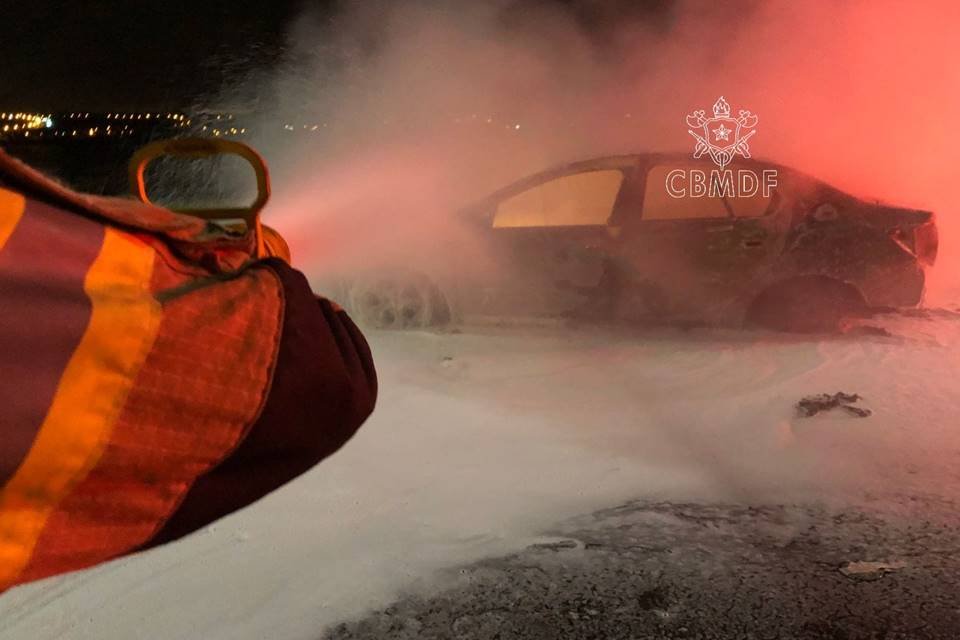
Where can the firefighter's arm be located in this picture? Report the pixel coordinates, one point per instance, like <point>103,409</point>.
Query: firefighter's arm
<point>324,387</point>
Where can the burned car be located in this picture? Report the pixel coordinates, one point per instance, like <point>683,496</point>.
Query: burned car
<point>664,238</point>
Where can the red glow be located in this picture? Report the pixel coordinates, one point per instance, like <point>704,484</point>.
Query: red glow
<point>863,95</point>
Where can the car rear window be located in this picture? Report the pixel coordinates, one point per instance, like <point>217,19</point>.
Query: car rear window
<point>572,200</point>
<point>658,204</point>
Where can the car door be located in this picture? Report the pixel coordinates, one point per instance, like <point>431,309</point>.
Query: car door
<point>694,251</point>
<point>552,240</point>
<point>757,237</point>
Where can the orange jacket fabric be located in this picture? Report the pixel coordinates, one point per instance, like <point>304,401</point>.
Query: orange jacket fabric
<point>147,368</point>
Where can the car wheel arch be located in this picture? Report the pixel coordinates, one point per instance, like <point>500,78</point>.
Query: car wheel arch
<point>779,299</point>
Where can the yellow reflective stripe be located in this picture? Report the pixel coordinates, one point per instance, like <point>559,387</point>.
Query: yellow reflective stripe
<point>100,374</point>
<point>11,210</point>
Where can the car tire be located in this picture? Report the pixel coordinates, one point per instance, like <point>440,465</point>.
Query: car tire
<point>808,304</point>
<point>403,300</point>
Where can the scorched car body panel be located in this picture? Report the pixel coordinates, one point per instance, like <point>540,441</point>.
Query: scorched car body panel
<point>610,239</point>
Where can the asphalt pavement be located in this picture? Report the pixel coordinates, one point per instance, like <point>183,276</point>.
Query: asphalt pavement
<point>888,569</point>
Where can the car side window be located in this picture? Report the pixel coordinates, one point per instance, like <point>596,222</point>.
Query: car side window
<point>578,199</point>
<point>659,204</point>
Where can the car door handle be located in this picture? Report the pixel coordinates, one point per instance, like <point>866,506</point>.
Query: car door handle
<point>752,243</point>
<point>720,228</point>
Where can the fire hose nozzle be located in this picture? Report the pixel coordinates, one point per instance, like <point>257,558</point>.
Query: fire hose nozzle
<point>268,241</point>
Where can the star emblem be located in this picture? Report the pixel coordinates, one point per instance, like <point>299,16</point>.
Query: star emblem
<point>718,142</point>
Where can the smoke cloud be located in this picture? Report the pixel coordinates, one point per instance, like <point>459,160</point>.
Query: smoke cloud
<point>423,107</point>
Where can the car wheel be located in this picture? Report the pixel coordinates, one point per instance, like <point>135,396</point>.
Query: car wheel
<point>810,304</point>
<point>398,301</point>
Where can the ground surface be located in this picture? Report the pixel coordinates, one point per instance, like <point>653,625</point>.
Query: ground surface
<point>486,441</point>
<point>673,570</point>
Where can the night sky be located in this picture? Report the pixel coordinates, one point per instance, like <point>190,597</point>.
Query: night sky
<point>102,55</point>
<point>108,54</point>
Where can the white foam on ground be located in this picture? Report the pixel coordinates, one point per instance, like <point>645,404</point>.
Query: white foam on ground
<point>483,441</point>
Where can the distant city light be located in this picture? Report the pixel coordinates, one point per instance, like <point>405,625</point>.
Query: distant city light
<point>142,126</point>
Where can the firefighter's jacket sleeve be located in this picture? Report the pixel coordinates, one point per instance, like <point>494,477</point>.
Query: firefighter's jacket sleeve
<point>324,387</point>
<point>153,376</point>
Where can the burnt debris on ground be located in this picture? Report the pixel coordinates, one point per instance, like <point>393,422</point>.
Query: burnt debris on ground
<point>812,405</point>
